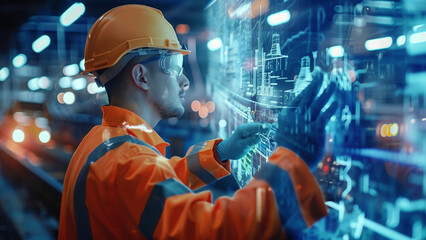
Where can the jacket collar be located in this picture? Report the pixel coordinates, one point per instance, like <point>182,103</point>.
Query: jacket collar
<point>134,125</point>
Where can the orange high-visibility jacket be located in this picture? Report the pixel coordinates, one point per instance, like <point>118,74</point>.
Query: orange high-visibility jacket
<point>119,185</point>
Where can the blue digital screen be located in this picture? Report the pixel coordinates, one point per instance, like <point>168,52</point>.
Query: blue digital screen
<point>262,54</point>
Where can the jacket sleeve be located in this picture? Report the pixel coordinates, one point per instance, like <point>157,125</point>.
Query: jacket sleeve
<point>279,202</point>
<point>200,166</point>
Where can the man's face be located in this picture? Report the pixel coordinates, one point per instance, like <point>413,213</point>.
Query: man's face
<point>167,92</point>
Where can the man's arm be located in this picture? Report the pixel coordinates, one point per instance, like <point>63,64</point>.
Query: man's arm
<point>283,195</point>
<point>200,166</point>
<point>207,162</point>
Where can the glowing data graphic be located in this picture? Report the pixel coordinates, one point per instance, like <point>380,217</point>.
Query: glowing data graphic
<point>373,172</point>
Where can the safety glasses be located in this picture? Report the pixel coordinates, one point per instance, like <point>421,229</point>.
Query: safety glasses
<point>170,63</point>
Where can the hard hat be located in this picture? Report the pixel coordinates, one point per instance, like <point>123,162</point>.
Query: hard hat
<point>126,28</point>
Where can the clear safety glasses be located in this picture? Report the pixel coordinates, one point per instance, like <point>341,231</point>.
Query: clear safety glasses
<point>170,63</point>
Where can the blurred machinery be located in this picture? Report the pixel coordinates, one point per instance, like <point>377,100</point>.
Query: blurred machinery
<point>47,107</point>
<point>373,174</point>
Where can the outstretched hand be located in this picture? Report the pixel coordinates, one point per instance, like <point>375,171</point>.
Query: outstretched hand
<point>301,126</point>
<point>241,141</point>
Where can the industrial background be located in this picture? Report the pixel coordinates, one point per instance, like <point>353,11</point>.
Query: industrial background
<point>249,59</point>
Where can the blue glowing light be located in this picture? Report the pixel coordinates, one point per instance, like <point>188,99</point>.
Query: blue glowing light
<point>336,51</point>
<point>4,73</point>
<point>71,70</point>
<point>65,82</point>
<point>18,135</point>
<point>82,65</point>
<point>72,14</point>
<point>33,84</point>
<point>41,43</point>
<point>19,60</point>
<point>44,136</point>
<point>214,44</point>
<point>378,43</point>
<point>44,82</point>
<point>401,40</point>
<point>278,18</point>
<point>418,37</point>
<point>69,98</point>
<point>93,88</point>
<point>79,84</point>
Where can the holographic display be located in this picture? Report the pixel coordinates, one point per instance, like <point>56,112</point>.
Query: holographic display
<point>262,54</point>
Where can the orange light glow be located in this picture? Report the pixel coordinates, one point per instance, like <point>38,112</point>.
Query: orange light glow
<point>259,7</point>
<point>60,97</point>
<point>182,28</point>
<point>384,130</point>
<point>352,75</point>
<point>389,130</point>
<point>204,112</point>
<point>211,106</point>
<point>326,168</point>
<point>195,105</point>
<point>252,10</point>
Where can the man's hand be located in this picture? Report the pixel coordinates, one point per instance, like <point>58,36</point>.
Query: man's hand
<point>301,125</point>
<point>241,141</point>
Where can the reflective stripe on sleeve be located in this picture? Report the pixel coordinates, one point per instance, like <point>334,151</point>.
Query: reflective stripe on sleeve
<point>225,186</point>
<point>155,205</point>
<point>80,209</point>
<point>285,195</point>
<point>195,167</point>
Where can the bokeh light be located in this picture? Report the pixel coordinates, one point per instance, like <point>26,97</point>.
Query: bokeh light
<point>18,135</point>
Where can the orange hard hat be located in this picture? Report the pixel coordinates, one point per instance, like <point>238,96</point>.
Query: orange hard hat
<point>126,28</point>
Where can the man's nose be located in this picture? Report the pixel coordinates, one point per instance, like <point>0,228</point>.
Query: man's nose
<point>184,82</point>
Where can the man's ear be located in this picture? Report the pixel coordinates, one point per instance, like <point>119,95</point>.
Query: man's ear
<point>139,77</point>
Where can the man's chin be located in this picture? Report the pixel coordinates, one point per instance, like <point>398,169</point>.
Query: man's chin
<point>178,112</point>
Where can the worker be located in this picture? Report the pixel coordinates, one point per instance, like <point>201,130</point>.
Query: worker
<point>119,185</point>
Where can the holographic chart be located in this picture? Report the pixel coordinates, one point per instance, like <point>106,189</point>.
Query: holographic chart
<point>262,54</point>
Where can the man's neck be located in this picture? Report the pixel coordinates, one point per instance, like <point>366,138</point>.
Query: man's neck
<point>143,110</point>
